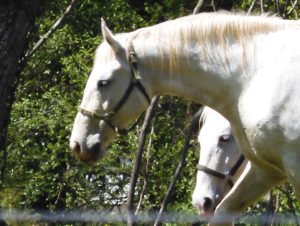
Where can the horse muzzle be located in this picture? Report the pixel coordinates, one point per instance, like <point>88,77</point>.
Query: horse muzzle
<point>88,153</point>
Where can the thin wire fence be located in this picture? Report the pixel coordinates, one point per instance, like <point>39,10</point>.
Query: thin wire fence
<point>115,216</point>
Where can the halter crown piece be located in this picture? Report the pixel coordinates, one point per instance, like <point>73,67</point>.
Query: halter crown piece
<point>134,82</point>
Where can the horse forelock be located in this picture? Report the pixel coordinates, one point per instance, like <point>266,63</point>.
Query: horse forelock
<point>104,51</point>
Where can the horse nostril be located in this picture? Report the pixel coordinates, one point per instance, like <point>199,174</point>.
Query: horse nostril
<point>95,147</point>
<point>207,204</point>
<point>76,147</point>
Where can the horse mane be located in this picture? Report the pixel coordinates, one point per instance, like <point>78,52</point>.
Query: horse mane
<point>209,29</point>
<point>220,25</point>
<point>203,117</point>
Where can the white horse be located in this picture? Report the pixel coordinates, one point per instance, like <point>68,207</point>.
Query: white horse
<point>220,164</point>
<point>245,67</point>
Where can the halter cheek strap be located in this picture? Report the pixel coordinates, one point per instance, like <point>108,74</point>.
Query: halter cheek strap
<point>134,82</point>
<point>223,176</point>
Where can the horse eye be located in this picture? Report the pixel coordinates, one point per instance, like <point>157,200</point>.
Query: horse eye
<point>102,83</point>
<point>224,138</point>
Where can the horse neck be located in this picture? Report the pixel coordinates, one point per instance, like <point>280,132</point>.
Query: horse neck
<point>197,72</point>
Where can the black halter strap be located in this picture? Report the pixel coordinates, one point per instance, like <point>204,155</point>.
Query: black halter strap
<point>134,82</point>
<point>223,176</point>
<point>237,165</point>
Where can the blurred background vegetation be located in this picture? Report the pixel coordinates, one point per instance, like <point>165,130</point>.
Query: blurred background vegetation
<point>40,171</point>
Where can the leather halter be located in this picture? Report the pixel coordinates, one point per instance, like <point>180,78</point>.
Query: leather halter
<point>223,176</point>
<point>134,82</point>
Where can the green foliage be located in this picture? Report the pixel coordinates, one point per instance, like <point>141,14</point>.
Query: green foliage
<point>41,172</point>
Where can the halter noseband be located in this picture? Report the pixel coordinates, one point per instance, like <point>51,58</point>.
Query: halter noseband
<point>223,176</point>
<point>134,82</point>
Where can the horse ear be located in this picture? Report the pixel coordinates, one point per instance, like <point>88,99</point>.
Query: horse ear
<point>202,118</point>
<point>201,123</point>
<point>109,37</point>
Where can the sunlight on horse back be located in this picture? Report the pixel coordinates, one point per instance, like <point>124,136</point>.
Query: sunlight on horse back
<point>219,155</point>
<point>245,67</point>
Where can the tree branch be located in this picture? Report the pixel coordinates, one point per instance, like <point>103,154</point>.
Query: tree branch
<point>192,128</point>
<point>131,220</point>
<point>198,7</point>
<point>294,4</point>
<point>46,36</point>
<point>251,7</point>
<point>262,6</point>
<point>146,173</point>
<point>270,210</point>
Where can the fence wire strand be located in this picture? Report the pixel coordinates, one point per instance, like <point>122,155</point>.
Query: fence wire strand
<point>107,216</point>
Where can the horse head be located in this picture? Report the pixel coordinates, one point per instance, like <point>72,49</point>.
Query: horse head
<point>219,164</point>
<point>112,98</point>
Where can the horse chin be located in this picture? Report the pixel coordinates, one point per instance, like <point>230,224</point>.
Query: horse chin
<point>205,215</point>
<point>90,156</point>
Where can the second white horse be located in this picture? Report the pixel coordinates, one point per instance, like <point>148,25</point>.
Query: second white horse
<point>220,164</point>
